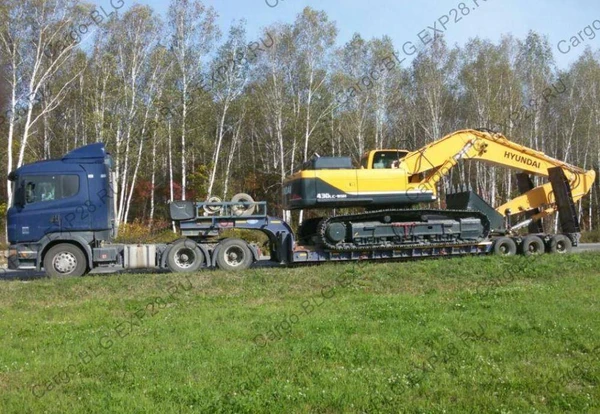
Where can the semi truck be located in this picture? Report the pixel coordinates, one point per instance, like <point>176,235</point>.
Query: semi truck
<point>62,215</point>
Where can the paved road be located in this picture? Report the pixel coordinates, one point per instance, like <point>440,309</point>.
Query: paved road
<point>588,247</point>
<point>26,275</point>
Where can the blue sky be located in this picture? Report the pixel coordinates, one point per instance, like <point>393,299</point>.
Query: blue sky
<point>403,20</point>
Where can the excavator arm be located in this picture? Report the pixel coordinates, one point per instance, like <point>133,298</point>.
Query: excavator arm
<point>427,166</point>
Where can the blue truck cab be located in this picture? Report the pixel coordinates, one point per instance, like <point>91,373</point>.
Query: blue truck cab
<point>55,201</point>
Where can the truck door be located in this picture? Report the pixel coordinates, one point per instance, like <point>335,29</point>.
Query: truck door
<point>51,205</point>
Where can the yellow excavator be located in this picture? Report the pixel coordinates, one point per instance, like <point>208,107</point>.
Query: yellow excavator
<point>390,183</point>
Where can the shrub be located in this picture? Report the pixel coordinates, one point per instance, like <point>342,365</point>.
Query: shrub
<point>140,232</point>
<point>3,210</point>
<point>590,236</point>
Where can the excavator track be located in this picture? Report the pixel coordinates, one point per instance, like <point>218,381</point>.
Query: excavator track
<point>407,220</point>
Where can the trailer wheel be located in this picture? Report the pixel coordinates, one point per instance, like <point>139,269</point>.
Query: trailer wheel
<point>185,256</point>
<point>532,246</point>
<point>505,246</point>
<point>65,260</point>
<point>234,254</point>
<point>560,244</point>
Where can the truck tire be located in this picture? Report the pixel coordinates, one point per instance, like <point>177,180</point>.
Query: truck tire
<point>532,246</point>
<point>504,246</point>
<point>560,244</point>
<point>65,260</point>
<point>184,257</point>
<point>234,255</point>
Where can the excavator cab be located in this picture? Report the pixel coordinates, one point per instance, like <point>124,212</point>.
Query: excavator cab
<point>382,159</point>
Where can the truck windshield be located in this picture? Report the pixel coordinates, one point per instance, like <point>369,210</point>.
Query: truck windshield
<point>42,188</point>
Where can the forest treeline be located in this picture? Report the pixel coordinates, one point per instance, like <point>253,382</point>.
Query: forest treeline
<point>188,110</point>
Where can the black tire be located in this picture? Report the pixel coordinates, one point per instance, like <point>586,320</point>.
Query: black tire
<point>504,246</point>
<point>560,244</point>
<point>307,229</point>
<point>184,257</point>
<point>532,246</point>
<point>234,255</point>
<point>65,260</point>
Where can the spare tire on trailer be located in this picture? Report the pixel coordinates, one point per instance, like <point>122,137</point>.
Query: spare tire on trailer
<point>185,256</point>
<point>233,255</point>
<point>244,205</point>
<point>504,246</point>
<point>561,244</point>
<point>212,210</point>
<point>532,246</point>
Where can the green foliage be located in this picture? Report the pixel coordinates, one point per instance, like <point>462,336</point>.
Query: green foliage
<point>198,181</point>
<point>395,337</point>
<point>590,237</point>
<point>140,232</point>
<point>3,210</point>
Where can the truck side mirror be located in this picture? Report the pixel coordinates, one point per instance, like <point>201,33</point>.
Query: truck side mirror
<point>19,196</point>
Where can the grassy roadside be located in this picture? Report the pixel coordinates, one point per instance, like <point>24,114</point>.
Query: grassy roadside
<point>462,335</point>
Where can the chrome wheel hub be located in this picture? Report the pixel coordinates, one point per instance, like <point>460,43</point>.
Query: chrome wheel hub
<point>65,262</point>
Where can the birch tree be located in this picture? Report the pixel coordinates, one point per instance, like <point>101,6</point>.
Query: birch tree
<point>131,40</point>
<point>315,36</point>
<point>230,76</point>
<point>193,32</point>
<point>33,61</point>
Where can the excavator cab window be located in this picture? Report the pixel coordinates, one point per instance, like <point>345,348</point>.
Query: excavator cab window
<point>387,159</point>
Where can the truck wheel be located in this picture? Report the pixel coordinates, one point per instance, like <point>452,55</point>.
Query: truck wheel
<point>185,256</point>
<point>560,244</point>
<point>505,246</point>
<point>532,246</point>
<point>234,254</point>
<point>65,260</point>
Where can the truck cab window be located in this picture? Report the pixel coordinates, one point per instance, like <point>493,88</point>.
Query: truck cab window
<point>42,188</point>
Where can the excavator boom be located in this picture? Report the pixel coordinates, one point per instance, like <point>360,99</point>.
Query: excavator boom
<point>435,161</point>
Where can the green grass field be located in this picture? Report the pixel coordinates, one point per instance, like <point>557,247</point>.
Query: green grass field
<point>506,335</point>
